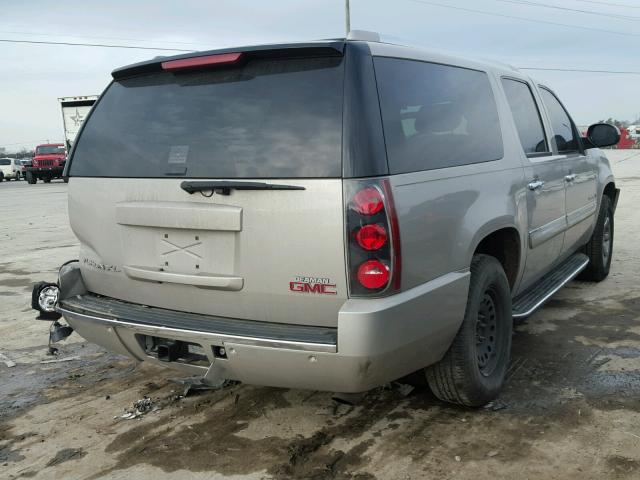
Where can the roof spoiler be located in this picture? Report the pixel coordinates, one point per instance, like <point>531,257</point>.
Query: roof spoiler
<point>314,49</point>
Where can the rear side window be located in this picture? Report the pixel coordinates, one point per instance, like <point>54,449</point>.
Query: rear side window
<point>268,118</point>
<point>564,134</point>
<point>526,116</point>
<point>436,116</point>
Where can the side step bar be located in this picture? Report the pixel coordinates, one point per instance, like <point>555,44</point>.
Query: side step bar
<point>528,302</point>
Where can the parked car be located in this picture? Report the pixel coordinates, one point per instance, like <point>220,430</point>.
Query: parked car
<point>24,163</point>
<point>47,163</point>
<point>9,169</point>
<point>330,215</point>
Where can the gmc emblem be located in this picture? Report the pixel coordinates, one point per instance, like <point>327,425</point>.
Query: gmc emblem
<point>308,287</point>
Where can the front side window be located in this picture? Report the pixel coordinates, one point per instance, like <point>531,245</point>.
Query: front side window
<point>436,116</point>
<point>564,135</point>
<point>526,116</point>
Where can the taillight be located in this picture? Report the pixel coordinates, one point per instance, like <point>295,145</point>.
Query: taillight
<point>373,237</point>
<point>373,274</point>
<point>368,201</point>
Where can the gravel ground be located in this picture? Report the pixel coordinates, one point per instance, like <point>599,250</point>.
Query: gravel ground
<point>570,409</point>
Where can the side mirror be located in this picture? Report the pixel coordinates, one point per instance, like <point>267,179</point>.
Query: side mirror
<point>602,135</point>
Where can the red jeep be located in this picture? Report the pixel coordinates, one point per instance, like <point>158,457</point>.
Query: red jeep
<point>47,163</point>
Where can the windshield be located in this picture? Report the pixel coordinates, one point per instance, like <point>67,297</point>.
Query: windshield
<point>269,118</point>
<point>49,149</point>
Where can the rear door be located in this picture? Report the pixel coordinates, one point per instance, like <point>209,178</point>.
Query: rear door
<point>158,227</point>
<point>544,174</point>
<point>580,174</point>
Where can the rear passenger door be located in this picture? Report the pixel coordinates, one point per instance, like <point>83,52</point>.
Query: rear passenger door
<point>544,174</point>
<point>580,175</point>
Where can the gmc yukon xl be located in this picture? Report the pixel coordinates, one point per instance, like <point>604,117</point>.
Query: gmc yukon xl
<point>330,215</point>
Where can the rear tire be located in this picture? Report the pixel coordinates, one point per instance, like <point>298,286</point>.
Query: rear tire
<point>599,249</point>
<point>473,370</point>
<point>46,179</point>
<point>31,178</point>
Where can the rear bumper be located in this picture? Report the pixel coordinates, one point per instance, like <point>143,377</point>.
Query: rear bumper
<point>376,340</point>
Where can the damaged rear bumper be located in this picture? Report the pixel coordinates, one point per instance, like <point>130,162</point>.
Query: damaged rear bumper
<point>376,341</point>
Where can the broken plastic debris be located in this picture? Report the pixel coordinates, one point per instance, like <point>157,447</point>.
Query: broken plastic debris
<point>7,361</point>
<point>59,332</point>
<point>140,407</point>
<point>65,359</point>
<point>495,406</point>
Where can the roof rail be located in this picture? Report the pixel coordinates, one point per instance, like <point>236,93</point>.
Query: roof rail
<point>363,35</point>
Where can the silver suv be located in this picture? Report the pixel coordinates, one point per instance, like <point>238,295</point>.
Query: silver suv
<point>330,215</point>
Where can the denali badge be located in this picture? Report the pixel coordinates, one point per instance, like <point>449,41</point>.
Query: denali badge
<point>322,286</point>
<point>100,266</point>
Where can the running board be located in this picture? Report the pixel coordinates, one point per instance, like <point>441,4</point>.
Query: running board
<point>528,302</point>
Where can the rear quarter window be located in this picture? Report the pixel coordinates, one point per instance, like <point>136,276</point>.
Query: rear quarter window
<point>436,116</point>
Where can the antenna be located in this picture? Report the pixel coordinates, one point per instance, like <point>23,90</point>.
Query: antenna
<point>347,12</point>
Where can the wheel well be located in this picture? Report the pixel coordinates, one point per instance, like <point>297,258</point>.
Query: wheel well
<point>504,245</point>
<point>610,191</point>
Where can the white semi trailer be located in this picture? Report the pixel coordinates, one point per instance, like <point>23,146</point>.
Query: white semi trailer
<point>74,111</point>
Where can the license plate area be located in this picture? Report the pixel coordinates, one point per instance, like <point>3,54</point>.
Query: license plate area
<point>171,350</point>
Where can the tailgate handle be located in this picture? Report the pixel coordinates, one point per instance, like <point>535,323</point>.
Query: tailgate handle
<point>218,282</point>
<point>224,188</point>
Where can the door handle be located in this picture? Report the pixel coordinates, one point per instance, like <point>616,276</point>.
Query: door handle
<point>570,178</point>
<point>535,185</point>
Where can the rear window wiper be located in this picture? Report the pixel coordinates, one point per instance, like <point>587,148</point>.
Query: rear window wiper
<point>224,187</point>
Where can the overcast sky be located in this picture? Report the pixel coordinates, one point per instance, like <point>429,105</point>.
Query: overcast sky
<point>33,76</point>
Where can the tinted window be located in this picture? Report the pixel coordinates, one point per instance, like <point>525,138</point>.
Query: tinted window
<point>5,161</point>
<point>266,118</point>
<point>563,133</point>
<point>436,116</point>
<point>525,115</point>
<point>49,150</point>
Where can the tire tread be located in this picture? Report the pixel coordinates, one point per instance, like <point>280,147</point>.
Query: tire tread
<point>449,379</point>
<point>596,271</point>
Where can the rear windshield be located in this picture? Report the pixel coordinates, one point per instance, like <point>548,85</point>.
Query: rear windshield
<point>436,116</point>
<point>5,162</point>
<point>269,118</point>
<point>49,150</point>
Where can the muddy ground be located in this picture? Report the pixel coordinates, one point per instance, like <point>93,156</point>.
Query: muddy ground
<point>570,409</point>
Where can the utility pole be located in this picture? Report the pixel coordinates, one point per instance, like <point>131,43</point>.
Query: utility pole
<point>347,11</point>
